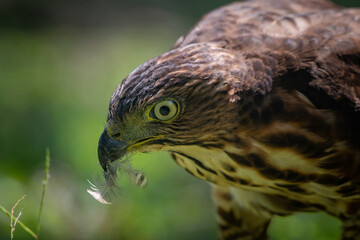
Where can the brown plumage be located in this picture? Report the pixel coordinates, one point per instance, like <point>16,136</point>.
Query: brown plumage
<point>262,99</point>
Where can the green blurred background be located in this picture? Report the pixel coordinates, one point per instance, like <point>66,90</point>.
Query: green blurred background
<point>59,64</point>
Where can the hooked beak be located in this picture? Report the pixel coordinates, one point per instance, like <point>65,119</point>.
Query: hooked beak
<point>110,150</point>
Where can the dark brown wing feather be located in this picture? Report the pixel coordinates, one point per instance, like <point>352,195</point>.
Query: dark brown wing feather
<point>255,17</point>
<point>315,36</point>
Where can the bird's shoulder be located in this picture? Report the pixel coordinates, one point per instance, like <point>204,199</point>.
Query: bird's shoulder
<point>249,18</point>
<point>281,42</point>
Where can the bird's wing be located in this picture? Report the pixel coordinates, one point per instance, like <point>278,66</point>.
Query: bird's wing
<point>273,17</point>
<point>316,37</point>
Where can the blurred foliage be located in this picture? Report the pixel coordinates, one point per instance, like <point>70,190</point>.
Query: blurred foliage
<point>44,13</point>
<point>59,63</point>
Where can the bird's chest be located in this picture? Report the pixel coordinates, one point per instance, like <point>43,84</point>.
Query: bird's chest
<point>217,166</point>
<point>250,171</point>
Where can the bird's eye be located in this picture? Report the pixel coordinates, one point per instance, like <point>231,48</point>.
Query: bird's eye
<point>164,110</point>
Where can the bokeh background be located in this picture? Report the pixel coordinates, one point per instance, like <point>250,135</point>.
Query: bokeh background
<point>60,61</point>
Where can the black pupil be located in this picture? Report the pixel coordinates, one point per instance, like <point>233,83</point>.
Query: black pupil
<point>164,110</point>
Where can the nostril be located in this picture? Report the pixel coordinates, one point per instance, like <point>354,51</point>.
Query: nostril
<point>116,135</point>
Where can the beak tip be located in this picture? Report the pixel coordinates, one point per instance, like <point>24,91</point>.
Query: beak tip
<point>109,150</point>
<point>102,160</point>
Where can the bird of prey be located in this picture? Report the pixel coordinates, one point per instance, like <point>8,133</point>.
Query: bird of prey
<point>260,98</point>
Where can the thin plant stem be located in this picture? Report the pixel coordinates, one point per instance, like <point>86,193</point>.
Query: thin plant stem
<point>44,185</point>
<point>14,220</point>
<point>11,224</point>
<point>21,224</point>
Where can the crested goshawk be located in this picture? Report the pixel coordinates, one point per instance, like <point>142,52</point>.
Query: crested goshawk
<point>261,99</point>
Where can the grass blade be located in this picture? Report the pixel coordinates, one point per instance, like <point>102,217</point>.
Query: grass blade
<point>44,186</point>
<point>20,223</point>
<point>13,219</point>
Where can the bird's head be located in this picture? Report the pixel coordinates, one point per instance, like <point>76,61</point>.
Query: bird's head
<point>186,96</point>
